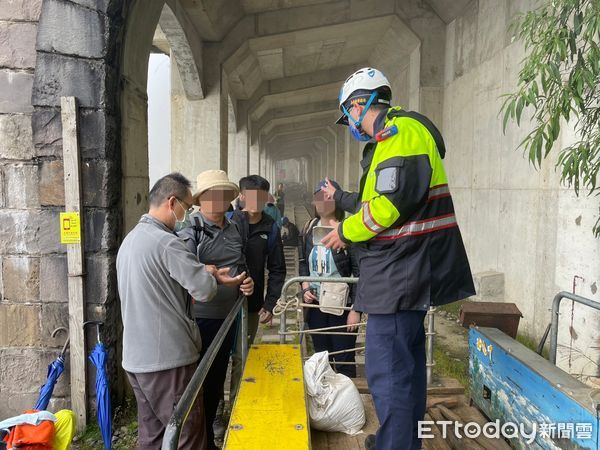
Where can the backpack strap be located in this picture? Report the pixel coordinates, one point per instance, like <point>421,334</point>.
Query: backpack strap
<point>272,239</point>
<point>199,230</point>
<point>240,220</point>
<point>308,226</point>
<point>433,130</point>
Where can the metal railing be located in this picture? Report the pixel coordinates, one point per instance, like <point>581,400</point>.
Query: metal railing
<point>286,302</point>
<point>430,336</point>
<point>180,414</point>
<point>555,315</point>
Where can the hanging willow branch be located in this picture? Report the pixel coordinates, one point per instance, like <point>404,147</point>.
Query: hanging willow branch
<point>560,79</point>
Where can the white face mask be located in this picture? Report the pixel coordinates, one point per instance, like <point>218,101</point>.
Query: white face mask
<point>180,224</point>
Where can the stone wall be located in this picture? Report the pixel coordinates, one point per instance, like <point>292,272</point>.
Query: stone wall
<point>71,51</point>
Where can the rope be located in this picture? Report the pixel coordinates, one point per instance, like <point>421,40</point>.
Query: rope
<point>294,302</point>
<point>282,305</point>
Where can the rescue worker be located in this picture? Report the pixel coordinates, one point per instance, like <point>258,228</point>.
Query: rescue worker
<point>410,250</point>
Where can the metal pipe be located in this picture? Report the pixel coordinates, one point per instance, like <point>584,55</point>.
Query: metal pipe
<point>540,347</point>
<point>312,305</point>
<point>293,280</point>
<point>336,327</point>
<point>171,437</point>
<point>344,363</point>
<point>555,315</point>
<point>244,332</point>
<point>329,333</point>
<point>282,325</point>
<point>348,350</point>
<point>430,335</point>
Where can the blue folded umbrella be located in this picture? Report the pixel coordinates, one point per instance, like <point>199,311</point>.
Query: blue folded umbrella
<point>104,411</point>
<point>54,370</point>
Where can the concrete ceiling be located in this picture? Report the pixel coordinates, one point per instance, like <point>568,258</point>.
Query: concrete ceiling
<point>284,60</point>
<point>215,18</point>
<point>301,52</point>
<point>256,6</point>
<point>448,10</point>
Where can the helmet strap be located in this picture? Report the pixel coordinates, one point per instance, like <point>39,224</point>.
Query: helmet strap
<point>357,123</point>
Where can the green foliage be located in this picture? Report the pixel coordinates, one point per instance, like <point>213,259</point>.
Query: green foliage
<point>453,365</point>
<point>560,80</point>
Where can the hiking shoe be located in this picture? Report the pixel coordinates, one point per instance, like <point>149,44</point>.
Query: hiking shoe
<point>219,427</point>
<point>370,442</point>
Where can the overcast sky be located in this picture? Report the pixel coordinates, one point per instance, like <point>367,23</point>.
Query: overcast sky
<point>159,116</point>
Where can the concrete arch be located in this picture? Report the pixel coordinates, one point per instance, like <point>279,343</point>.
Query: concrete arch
<point>186,50</point>
<point>98,52</point>
<point>142,20</point>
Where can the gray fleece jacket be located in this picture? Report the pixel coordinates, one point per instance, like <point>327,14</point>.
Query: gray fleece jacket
<point>155,272</point>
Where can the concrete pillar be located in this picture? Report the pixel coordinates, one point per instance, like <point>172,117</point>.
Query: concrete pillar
<point>331,156</point>
<point>352,154</point>
<point>237,166</point>
<point>347,160</point>
<point>260,152</point>
<point>253,159</point>
<point>263,163</point>
<point>340,156</point>
<point>199,128</point>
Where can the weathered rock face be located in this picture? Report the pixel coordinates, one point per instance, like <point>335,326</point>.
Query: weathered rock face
<point>72,50</point>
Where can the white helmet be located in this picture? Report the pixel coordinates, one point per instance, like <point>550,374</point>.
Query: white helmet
<point>365,79</point>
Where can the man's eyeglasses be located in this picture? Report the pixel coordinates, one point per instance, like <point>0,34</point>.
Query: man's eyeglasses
<point>189,209</point>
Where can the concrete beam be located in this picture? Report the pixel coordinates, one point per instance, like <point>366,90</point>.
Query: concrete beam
<point>421,18</point>
<point>295,83</point>
<point>299,122</point>
<point>320,131</point>
<point>212,18</point>
<point>448,11</point>
<point>302,18</point>
<point>291,113</point>
<point>298,97</point>
<point>298,52</point>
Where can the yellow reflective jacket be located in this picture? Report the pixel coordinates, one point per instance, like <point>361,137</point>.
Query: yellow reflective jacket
<point>403,223</point>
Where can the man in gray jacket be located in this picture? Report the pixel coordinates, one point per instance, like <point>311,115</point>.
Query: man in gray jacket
<point>161,342</point>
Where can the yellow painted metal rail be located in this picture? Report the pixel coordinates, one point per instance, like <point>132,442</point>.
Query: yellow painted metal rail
<point>270,409</point>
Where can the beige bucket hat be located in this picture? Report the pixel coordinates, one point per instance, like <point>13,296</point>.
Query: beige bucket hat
<point>214,179</point>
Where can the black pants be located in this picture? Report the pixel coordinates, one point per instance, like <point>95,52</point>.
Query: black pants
<point>215,379</point>
<point>332,343</point>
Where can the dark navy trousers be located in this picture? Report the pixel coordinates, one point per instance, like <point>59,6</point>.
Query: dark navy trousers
<point>333,343</point>
<point>397,376</point>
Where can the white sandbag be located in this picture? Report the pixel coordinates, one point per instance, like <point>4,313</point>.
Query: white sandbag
<point>334,403</point>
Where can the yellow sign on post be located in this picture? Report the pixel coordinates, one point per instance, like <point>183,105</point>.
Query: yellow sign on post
<point>70,229</point>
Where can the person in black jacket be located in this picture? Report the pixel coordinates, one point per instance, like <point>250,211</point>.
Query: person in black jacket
<point>289,233</point>
<point>263,248</point>
<point>344,265</point>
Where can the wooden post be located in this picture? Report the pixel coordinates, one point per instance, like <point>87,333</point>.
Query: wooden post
<point>75,261</point>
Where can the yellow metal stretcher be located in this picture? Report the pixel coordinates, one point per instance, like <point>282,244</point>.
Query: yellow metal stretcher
<point>270,409</point>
